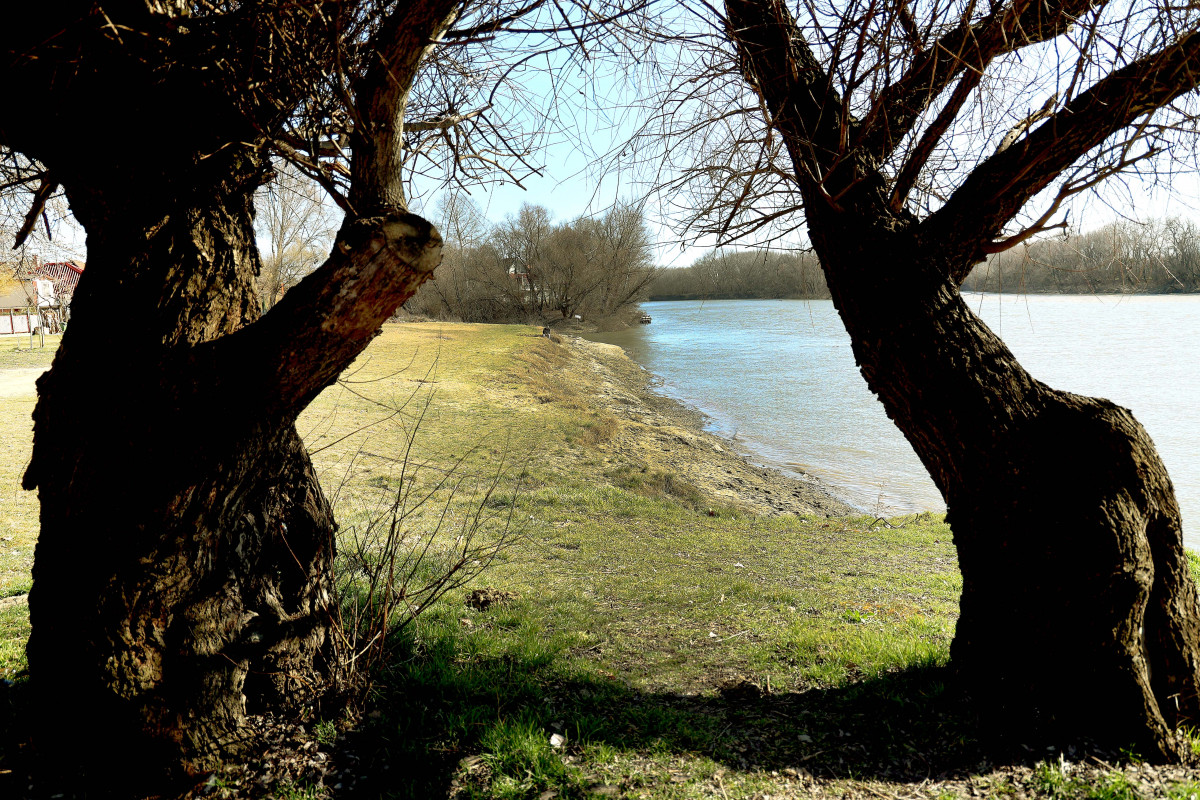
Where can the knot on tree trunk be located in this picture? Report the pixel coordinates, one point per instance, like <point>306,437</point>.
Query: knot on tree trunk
<point>411,240</point>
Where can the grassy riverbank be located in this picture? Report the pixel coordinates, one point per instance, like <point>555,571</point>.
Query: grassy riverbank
<point>673,623</point>
<point>671,610</point>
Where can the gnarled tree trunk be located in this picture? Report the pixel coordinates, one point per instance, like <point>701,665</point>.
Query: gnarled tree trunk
<point>1078,618</point>
<point>182,577</point>
<point>183,571</point>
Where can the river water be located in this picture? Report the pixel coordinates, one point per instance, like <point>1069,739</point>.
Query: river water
<point>778,378</point>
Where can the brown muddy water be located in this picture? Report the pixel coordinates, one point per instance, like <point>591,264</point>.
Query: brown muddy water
<point>777,378</point>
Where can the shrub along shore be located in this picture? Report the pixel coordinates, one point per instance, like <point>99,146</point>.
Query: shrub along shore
<point>661,619</point>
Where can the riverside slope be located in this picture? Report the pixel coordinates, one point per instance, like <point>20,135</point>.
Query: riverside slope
<point>668,437</point>
<point>659,645</point>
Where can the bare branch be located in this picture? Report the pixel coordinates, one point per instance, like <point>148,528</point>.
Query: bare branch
<point>1001,186</point>
<point>318,327</point>
<point>493,25</point>
<point>36,208</point>
<point>1008,28</point>
<point>442,123</point>
<point>1019,129</point>
<point>930,138</point>
<point>381,96</point>
<point>797,91</point>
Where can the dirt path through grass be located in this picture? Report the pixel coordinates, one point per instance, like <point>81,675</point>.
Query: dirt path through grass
<point>19,381</point>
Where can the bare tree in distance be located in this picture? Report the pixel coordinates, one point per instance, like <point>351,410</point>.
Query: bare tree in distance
<point>461,288</point>
<point>462,219</point>
<point>297,224</point>
<point>726,273</point>
<point>1150,257</point>
<point>521,241</point>
<point>531,268</point>
<point>911,140</point>
<point>626,265</point>
<point>591,267</point>
<point>571,271</point>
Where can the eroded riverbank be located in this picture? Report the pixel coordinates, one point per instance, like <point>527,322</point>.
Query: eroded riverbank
<point>667,436</point>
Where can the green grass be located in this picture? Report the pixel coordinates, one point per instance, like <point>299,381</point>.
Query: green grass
<point>18,508</point>
<point>486,699</point>
<point>15,351</point>
<point>640,612</point>
<point>14,632</point>
<point>657,644</point>
<point>1055,781</point>
<point>1189,790</point>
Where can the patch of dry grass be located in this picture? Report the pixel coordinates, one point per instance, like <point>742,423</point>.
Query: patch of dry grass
<point>18,508</point>
<point>15,351</point>
<point>600,431</point>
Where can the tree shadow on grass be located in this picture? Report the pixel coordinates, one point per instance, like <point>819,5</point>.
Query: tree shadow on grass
<point>444,726</point>
<point>17,716</point>
<point>442,729</point>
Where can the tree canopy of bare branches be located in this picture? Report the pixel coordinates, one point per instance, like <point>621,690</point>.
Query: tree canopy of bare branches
<point>530,268</point>
<point>926,94</point>
<point>297,224</point>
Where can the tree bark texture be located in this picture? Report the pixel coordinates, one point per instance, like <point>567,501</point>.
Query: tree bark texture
<point>1078,617</point>
<point>1079,620</point>
<point>182,574</point>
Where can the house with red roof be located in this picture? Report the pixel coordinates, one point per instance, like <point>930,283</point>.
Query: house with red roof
<point>35,295</point>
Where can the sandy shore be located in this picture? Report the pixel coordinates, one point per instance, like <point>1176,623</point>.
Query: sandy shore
<point>664,435</point>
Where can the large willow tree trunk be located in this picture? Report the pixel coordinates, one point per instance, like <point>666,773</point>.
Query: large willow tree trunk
<point>182,578</point>
<point>1079,620</point>
<point>182,574</point>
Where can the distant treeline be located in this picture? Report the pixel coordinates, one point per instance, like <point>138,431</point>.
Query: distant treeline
<point>742,275</point>
<point>1156,257</point>
<point>530,268</point>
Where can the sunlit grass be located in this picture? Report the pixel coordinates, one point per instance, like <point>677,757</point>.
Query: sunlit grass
<point>14,632</point>
<point>16,352</point>
<point>657,644</point>
<point>18,508</point>
<point>632,588</point>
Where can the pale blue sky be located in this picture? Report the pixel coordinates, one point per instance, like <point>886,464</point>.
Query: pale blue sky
<point>604,113</point>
